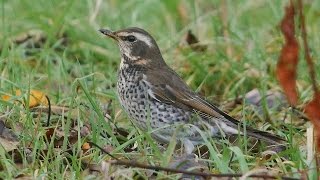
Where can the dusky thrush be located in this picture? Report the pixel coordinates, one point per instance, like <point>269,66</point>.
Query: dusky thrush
<point>153,95</point>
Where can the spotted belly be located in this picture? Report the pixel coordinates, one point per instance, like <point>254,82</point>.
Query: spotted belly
<point>149,114</point>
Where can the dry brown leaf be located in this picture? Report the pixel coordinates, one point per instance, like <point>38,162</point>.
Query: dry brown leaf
<point>8,145</point>
<point>193,42</point>
<point>288,60</point>
<point>8,140</point>
<point>313,107</point>
<point>312,110</point>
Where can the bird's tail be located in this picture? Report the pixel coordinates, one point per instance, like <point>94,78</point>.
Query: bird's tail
<point>269,138</point>
<point>260,135</point>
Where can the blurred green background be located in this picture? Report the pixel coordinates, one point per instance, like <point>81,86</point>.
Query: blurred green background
<point>55,46</point>
<point>242,36</point>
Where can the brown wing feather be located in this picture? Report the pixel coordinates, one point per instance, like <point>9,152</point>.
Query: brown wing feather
<point>170,88</point>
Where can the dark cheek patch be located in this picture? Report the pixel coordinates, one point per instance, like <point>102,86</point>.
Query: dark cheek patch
<point>139,49</point>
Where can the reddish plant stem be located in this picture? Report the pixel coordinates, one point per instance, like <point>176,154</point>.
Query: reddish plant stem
<point>306,48</point>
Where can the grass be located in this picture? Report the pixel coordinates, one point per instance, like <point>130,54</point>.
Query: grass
<point>75,66</point>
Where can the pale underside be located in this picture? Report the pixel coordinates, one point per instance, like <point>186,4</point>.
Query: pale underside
<point>164,119</point>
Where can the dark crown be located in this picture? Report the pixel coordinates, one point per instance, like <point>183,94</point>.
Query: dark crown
<point>136,44</point>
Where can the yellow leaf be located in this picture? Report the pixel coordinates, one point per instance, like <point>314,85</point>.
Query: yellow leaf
<point>85,146</point>
<point>18,93</point>
<point>36,98</point>
<point>5,97</point>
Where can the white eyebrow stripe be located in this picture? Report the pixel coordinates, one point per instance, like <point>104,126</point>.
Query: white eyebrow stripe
<point>143,38</point>
<point>123,34</point>
<point>139,36</point>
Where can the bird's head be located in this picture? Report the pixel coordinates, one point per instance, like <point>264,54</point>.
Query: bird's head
<point>137,46</point>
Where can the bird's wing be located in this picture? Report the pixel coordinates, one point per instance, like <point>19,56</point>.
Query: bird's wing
<point>169,88</point>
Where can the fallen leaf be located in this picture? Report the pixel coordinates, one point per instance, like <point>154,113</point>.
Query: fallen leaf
<point>193,42</point>
<point>108,148</point>
<point>35,98</point>
<point>85,130</point>
<point>8,140</point>
<point>59,135</point>
<point>313,107</point>
<point>49,133</point>
<point>274,99</point>
<point>312,110</point>
<point>8,145</point>
<point>18,155</point>
<point>85,147</point>
<point>6,97</point>
<point>190,163</point>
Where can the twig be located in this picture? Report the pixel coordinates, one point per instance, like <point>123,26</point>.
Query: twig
<point>49,111</point>
<point>159,168</point>
<point>104,151</point>
<point>144,166</point>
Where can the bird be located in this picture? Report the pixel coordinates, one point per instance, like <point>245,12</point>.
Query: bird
<point>156,98</point>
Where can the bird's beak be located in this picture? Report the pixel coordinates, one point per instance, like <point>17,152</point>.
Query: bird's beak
<point>109,33</point>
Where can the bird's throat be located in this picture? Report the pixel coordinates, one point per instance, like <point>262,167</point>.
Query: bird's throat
<point>126,61</point>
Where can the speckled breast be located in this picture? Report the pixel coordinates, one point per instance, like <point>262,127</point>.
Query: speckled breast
<point>146,111</point>
<point>132,94</point>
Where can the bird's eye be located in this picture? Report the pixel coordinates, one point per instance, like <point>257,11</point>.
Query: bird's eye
<point>131,38</point>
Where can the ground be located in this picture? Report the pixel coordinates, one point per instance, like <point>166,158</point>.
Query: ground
<point>55,47</point>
